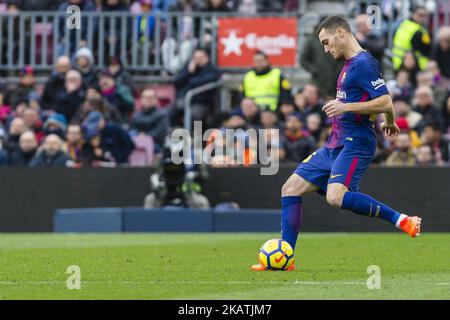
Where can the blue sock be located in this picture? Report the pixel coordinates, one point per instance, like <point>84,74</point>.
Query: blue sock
<point>291,218</point>
<point>365,205</point>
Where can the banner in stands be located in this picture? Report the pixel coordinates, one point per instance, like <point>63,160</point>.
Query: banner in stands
<point>239,38</point>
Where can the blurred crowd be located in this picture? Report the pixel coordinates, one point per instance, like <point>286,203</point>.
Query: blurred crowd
<point>86,116</point>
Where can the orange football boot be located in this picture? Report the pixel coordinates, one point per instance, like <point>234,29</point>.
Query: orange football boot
<point>411,225</point>
<point>259,267</point>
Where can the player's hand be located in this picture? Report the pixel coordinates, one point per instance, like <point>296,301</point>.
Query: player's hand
<point>334,108</point>
<point>390,129</point>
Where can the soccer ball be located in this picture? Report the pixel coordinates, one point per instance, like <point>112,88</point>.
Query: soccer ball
<point>276,254</point>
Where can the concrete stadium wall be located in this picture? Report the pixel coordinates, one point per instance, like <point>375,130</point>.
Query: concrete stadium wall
<point>29,197</point>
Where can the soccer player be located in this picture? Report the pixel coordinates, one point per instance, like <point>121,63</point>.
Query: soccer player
<point>335,169</point>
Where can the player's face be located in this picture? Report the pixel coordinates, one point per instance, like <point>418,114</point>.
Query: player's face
<point>332,42</point>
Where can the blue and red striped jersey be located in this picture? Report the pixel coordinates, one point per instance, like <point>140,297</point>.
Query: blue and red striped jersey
<point>360,80</point>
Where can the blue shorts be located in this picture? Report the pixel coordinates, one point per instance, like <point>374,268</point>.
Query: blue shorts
<point>345,164</point>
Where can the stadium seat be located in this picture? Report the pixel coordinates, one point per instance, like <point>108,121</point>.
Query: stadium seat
<point>166,94</point>
<point>41,30</point>
<point>143,153</point>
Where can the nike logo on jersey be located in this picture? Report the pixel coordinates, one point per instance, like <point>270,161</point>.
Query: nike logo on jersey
<point>335,175</point>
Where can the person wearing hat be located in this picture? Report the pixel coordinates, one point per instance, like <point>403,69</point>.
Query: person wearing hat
<point>24,90</point>
<point>55,124</point>
<point>85,64</point>
<point>113,138</point>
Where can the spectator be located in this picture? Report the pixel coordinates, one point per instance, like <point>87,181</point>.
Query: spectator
<point>190,27</point>
<point>151,120</point>
<point>84,63</point>
<point>249,111</point>
<point>285,110</point>
<point>412,35</point>
<point>403,154</point>
<point>16,128</point>
<point>446,116</point>
<point>410,65</point>
<point>401,87</point>
<point>95,102</point>
<point>112,35</point>
<point>113,139</point>
<point>27,150</point>
<point>441,52</point>
<point>424,104</point>
<point>198,72</point>
<point>403,109</point>
<point>74,142</point>
<point>73,97</point>
<point>121,76</point>
<point>118,95</point>
<point>424,155</point>
<point>178,46</point>
<point>314,125</point>
<point>369,38</point>
<point>163,5</point>
<point>145,26</point>
<point>323,68</point>
<point>432,136</point>
<point>40,5</point>
<point>85,6</point>
<point>426,78</point>
<point>56,124</point>
<point>55,87</point>
<point>269,119</point>
<point>5,109</point>
<point>25,90</point>
<point>314,102</point>
<point>216,6</point>
<point>51,154</point>
<point>266,85</point>
<point>248,7</point>
<point>438,79</point>
<point>34,123</point>
<point>297,142</point>
<point>270,5</point>
<point>4,156</point>
<point>93,154</point>
<point>402,124</point>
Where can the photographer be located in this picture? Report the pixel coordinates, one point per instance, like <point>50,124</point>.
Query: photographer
<point>176,185</point>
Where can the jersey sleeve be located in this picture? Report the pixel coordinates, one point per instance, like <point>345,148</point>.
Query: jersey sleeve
<point>370,79</point>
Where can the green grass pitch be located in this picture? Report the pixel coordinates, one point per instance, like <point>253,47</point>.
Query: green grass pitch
<point>216,266</point>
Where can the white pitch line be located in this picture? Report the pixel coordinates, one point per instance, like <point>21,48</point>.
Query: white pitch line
<point>205,283</point>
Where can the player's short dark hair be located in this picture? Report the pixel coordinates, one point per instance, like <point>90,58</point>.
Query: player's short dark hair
<point>332,23</point>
